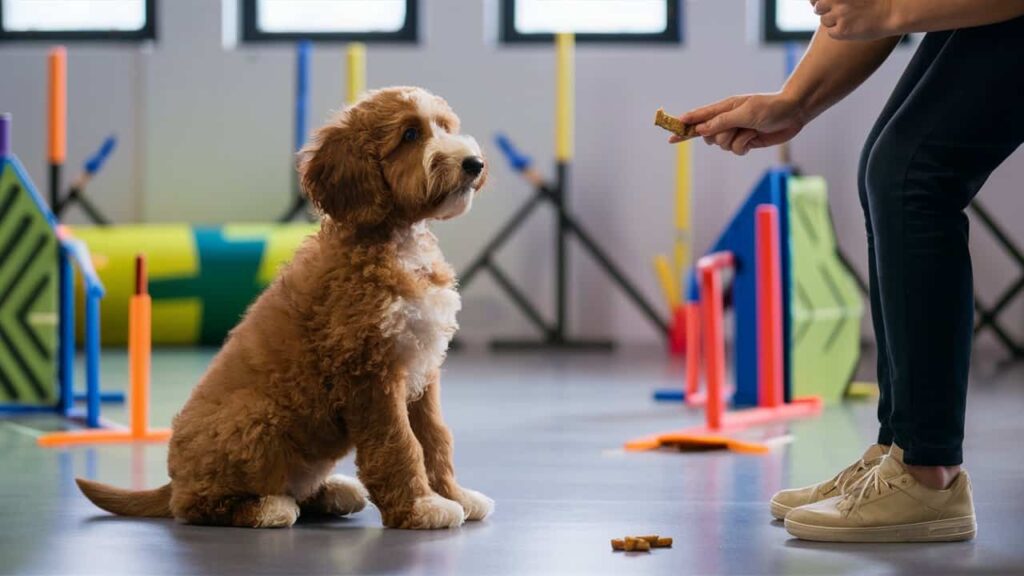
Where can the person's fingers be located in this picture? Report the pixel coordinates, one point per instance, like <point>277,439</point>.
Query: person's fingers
<point>705,113</point>
<point>741,144</point>
<point>724,139</point>
<point>740,117</point>
<point>829,20</point>
<point>709,140</point>
<point>773,138</point>
<point>822,7</point>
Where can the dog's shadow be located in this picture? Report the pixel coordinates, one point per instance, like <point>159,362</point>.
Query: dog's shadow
<point>315,544</point>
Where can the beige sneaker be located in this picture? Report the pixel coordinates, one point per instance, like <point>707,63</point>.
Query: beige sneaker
<point>786,500</point>
<point>889,505</point>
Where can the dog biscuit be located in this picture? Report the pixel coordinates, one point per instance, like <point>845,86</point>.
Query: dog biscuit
<point>663,543</point>
<point>674,125</point>
<point>618,544</point>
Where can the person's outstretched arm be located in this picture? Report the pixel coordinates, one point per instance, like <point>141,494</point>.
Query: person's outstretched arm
<point>829,70</point>
<point>871,19</point>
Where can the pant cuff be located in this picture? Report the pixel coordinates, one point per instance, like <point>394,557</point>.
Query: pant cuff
<point>918,455</point>
<point>885,436</point>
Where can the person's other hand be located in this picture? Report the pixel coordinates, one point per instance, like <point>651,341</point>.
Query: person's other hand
<point>856,19</point>
<point>742,123</point>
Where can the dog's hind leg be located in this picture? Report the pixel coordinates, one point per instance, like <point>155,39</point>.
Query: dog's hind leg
<point>338,496</point>
<point>274,511</point>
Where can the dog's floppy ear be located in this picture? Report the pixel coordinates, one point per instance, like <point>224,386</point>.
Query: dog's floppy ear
<point>341,175</point>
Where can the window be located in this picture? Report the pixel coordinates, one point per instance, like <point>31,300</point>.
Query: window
<point>591,20</point>
<point>786,20</point>
<point>63,20</point>
<point>341,20</point>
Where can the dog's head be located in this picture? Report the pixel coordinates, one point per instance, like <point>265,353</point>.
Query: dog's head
<point>393,158</point>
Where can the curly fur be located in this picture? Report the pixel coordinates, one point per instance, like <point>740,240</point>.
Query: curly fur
<point>343,350</point>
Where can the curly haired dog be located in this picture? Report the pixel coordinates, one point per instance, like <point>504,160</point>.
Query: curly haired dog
<point>343,350</point>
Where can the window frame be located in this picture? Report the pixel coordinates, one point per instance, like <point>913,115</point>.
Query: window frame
<point>771,33</point>
<point>148,32</point>
<point>673,33</point>
<point>250,34</point>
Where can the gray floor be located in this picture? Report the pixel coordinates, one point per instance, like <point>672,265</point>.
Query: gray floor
<point>540,434</point>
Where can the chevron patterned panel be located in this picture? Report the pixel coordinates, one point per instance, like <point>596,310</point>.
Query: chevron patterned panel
<point>28,297</point>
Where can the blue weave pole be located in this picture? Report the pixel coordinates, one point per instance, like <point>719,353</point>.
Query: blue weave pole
<point>95,162</point>
<point>303,51</point>
<point>516,159</point>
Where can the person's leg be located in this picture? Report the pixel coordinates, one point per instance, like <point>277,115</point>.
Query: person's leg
<point>960,121</point>
<point>919,64</point>
<point>784,501</point>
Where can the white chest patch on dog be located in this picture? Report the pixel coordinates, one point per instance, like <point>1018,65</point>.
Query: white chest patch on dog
<point>424,325</point>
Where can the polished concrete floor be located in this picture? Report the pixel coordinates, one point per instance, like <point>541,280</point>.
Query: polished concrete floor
<point>541,435</point>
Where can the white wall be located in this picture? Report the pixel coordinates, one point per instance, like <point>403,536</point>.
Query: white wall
<point>206,134</point>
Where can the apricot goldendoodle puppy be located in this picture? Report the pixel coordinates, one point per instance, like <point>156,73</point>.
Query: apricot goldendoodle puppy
<point>344,349</point>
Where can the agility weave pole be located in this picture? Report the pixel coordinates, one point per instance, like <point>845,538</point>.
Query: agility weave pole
<point>721,424</point>
<point>355,59</point>
<point>555,334</point>
<point>139,355</point>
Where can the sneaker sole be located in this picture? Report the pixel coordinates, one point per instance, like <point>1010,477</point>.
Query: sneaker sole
<point>951,530</point>
<point>779,511</point>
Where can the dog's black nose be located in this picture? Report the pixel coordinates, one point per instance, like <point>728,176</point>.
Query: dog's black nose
<point>473,165</point>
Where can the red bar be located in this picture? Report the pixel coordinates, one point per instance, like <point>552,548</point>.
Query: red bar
<point>769,307</point>
<point>692,312</point>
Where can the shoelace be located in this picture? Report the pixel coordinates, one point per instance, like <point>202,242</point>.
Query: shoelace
<point>847,476</point>
<point>871,483</point>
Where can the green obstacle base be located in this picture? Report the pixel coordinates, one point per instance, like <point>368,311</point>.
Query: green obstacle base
<point>28,296</point>
<point>826,305</point>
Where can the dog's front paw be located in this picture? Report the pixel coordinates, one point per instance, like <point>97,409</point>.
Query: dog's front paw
<point>476,505</point>
<point>433,512</point>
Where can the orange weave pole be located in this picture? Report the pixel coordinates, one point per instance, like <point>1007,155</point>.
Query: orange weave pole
<point>139,352</point>
<point>769,307</point>
<point>139,349</point>
<point>58,104</point>
<point>714,338</point>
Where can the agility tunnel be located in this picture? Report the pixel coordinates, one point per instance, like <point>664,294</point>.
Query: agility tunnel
<point>202,278</point>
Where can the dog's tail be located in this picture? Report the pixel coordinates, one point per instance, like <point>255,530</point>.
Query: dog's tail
<point>148,503</point>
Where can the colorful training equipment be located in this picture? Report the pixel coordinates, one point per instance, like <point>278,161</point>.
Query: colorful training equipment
<point>826,302</point>
<point>37,304</point>
<point>771,404</point>
<point>821,306</point>
<point>202,278</point>
<point>670,275</point>
<point>139,351</point>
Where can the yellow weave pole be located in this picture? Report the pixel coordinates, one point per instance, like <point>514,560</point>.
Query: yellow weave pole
<point>356,69</point>
<point>684,183</point>
<point>565,47</point>
<point>669,281</point>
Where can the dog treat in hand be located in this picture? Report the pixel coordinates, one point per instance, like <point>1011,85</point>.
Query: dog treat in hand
<point>674,125</point>
<point>618,544</point>
<point>663,543</point>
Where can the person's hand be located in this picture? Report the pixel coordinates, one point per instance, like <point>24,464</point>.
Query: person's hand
<point>856,19</point>
<point>742,123</point>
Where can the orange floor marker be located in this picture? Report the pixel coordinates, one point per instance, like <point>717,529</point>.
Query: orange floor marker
<point>139,353</point>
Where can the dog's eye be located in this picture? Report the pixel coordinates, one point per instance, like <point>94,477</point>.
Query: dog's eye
<point>411,135</point>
